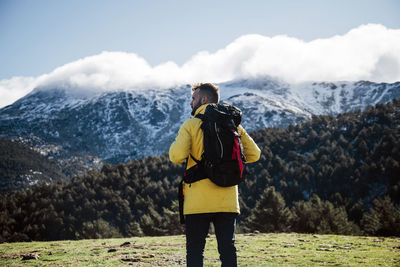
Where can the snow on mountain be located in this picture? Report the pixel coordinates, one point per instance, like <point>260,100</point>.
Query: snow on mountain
<point>122,125</point>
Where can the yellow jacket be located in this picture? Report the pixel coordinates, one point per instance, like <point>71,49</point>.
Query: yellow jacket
<point>204,196</point>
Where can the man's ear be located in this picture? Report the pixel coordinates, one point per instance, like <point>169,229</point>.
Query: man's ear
<point>204,100</point>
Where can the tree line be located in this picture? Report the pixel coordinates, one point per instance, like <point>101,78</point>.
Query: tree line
<point>330,174</point>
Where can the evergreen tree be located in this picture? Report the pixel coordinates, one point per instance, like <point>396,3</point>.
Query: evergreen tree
<point>270,213</point>
<point>382,219</point>
<point>98,229</point>
<point>318,216</point>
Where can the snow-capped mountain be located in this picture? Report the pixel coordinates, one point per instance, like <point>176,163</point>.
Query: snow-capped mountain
<point>122,125</point>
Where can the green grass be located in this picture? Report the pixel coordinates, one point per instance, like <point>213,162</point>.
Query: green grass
<point>253,250</point>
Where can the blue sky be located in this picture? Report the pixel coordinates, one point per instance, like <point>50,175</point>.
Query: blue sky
<point>45,41</point>
<point>38,36</point>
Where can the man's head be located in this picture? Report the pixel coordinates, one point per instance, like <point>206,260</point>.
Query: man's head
<point>203,93</point>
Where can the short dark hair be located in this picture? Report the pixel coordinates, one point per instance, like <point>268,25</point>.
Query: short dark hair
<point>209,90</point>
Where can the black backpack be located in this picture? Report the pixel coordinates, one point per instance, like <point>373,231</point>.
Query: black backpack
<point>222,161</point>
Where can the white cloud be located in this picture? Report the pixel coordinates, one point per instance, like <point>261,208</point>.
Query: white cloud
<point>368,52</point>
<point>15,88</point>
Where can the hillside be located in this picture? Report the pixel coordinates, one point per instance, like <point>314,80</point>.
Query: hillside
<point>327,175</point>
<point>21,166</point>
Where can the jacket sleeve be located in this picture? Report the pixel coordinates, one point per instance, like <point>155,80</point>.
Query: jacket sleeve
<point>180,148</point>
<point>250,148</point>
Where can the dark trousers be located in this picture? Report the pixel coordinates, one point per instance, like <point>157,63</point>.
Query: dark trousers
<point>197,225</point>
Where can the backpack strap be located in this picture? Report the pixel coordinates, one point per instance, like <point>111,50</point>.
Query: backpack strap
<point>191,175</point>
<point>200,116</point>
<point>194,173</point>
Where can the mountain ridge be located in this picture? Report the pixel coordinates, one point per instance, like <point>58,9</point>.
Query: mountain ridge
<point>130,124</point>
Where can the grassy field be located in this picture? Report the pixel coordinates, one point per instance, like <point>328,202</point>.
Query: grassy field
<point>253,250</point>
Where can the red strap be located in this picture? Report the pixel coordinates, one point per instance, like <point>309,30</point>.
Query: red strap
<point>236,152</point>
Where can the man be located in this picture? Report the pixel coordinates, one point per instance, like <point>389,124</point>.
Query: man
<point>204,201</point>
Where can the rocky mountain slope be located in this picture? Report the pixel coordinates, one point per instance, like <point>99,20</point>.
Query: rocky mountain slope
<point>130,124</point>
